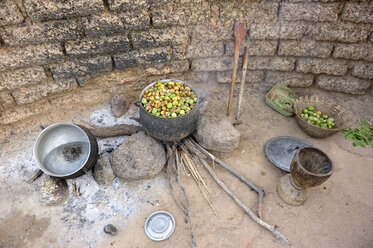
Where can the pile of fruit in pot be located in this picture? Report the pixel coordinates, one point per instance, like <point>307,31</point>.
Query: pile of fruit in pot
<point>169,99</point>
<point>317,118</point>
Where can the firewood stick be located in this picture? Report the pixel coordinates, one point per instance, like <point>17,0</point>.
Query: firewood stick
<point>117,130</point>
<point>270,228</point>
<point>243,179</point>
<point>173,163</point>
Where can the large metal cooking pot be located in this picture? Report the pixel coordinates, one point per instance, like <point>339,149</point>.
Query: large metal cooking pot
<point>65,150</point>
<point>169,128</point>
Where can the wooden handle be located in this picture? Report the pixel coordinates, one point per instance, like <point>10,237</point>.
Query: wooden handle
<point>239,34</point>
<point>233,81</point>
<point>243,80</point>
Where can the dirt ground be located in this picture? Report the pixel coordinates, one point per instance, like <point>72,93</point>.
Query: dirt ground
<point>339,213</point>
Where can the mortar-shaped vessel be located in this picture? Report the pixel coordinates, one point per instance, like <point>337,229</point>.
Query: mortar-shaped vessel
<point>310,167</point>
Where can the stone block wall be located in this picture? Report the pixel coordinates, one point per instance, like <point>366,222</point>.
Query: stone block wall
<point>56,47</point>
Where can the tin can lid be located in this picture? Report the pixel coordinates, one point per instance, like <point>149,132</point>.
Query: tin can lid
<point>160,225</point>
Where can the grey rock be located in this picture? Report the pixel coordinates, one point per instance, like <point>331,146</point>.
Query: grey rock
<point>354,51</point>
<point>217,134</point>
<point>102,25</point>
<point>132,58</point>
<point>213,64</point>
<point>310,12</point>
<point>358,12</point>
<point>135,19</point>
<point>44,32</point>
<point>291,79</point>
<point>168,15</point>
<point>349,85</point>
<point>87,47</point>
<point>46,10</point>
<point>283,30</point>
<point>327,66</point>
<point>139,156</point>
<point>289,194</point>
<point>363,70</point>
<point>10,13</point>
<point>271,63</point>
<point>256,47</point>
<point>127,4</point>
<point>110,229</point>
<point>102,171</point>
<point>15,57</point>
<point>210,49</point>
<point>22,77</point>
<point>303,47</point>
<point>159,37</point>
<point>330,31</point>
<point>168,67</point>
<point>119,105</point>
<point>39,91</point>
<point>225,77</point>
<point>81,67</point>
<point>6,99</point>
<point>52,190</point>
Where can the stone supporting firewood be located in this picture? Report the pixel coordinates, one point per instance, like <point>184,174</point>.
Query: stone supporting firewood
<point>51,48</point>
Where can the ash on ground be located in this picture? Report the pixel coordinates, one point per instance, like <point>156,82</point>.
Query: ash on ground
<point>87,213</point>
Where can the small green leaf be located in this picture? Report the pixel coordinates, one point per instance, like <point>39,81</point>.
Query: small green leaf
<point>349,135</point>
<point>359,143</point>
<point>364,123</point>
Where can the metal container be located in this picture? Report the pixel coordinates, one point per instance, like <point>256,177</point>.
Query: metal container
<point>169,128</point>
<point>160,225</point>
<point>65,150</point>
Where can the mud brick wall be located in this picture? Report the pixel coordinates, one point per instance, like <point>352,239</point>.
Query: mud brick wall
<point>56,47</point>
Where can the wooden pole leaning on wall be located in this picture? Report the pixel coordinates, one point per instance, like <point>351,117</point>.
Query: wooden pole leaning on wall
<point>239,34</point>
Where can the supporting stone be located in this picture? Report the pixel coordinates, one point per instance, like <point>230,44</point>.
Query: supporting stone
<point>289,194</point>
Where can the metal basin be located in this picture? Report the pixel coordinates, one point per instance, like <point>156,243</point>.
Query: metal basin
<point>65,150</point>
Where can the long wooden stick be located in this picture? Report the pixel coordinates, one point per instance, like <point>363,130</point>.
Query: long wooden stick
<point>270,228</point>
<point>243,179</point>
<point>118,130</point>
<point>239,33</point>
<point>173,163</point>
<point>186,201</point>
<point>243,79</point>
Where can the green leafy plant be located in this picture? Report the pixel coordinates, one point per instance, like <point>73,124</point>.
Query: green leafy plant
<point>361,136</point>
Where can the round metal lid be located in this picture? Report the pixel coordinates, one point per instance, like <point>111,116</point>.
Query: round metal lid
<point>160,225</point>
<point>281,150</point>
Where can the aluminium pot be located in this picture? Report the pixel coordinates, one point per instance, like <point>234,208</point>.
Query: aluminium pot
<point>169,128</point>
<point>65,150</point>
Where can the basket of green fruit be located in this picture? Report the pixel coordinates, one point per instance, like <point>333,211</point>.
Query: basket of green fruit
<point>319,118</point>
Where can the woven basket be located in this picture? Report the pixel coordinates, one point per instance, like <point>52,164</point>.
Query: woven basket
<point>326,107</point>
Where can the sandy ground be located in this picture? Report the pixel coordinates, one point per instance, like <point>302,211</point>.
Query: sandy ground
<point>339,213</point>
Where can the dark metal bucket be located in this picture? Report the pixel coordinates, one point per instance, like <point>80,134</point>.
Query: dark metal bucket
<point>169,128</point>
<point>65,150</point>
